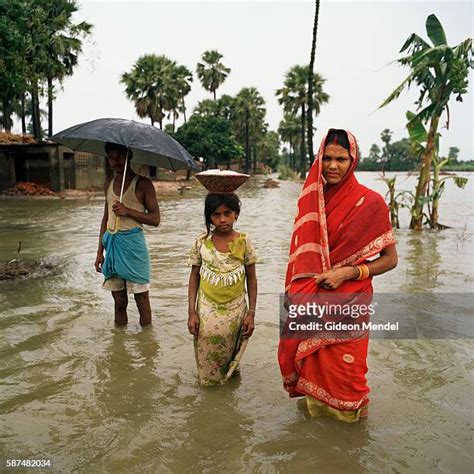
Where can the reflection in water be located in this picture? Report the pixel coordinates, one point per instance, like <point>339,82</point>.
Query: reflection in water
<point>95,398</point>
<point>423,262</point>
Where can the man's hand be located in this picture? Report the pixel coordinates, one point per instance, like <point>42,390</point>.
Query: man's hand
<point>98,262</point>
<point>248,325</point>
<point>193,323</point>
<point>119,209</point>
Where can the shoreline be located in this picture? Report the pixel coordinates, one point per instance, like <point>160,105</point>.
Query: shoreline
<point>162,188</point>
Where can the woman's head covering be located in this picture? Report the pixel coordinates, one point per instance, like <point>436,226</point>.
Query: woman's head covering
<point>341,226</point>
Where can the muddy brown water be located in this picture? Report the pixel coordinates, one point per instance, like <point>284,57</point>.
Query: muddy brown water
<point>94,398</point>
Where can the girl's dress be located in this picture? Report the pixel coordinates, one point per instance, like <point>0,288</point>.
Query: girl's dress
<point>221,304</point>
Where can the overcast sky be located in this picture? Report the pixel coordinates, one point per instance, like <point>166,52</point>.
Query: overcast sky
<point>260,41</point>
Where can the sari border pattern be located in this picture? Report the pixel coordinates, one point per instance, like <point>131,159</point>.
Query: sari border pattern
<point>309,388</point>
<point>372,248</point>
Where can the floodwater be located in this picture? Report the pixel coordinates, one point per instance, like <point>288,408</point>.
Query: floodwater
<point>94,398</point>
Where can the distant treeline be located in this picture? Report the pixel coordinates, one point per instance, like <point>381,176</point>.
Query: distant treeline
<point>402,156</point>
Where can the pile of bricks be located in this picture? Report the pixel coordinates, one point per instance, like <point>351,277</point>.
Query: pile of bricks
<point>26,188</point>
<point>7,137</point>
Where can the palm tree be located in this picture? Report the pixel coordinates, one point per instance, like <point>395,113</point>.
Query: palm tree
<point>183,78</point>
<point>289,131</point>
<point>150,85</point>
<point>249,116</point>
<point>439,70</point>
<point>310,82</point>
<point>211,71</point>
<point>63,45</point>
<point>294,98</point>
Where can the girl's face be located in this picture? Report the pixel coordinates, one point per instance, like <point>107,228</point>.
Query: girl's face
<point>223,219</point>
<point>336,163</point>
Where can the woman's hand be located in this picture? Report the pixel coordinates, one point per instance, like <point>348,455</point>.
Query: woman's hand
<point>193,323</point>
<point>119,209</point>
<point>98,262</point>
<point>248,325</point>
<point>333,279</point>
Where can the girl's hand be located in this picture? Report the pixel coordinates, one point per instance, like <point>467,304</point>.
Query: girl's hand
<point>332,279</point>
<point>119,209</point>
<point>193,323</point>
<point>248,325</point>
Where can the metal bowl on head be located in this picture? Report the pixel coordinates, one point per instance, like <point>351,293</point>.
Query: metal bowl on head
<point>217,181</point>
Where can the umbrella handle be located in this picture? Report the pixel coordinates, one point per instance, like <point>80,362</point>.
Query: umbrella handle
<point>117,218</point>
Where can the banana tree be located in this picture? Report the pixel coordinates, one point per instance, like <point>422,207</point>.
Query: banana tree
<point>439,70</point>
<point>436,185</point>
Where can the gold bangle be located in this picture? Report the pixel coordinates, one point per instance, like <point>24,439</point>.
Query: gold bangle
<point>358,272</point>
<point>250,311</point>
<point>364,272</point>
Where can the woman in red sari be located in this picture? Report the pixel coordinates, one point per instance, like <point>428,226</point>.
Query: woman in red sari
<point>339,226</point>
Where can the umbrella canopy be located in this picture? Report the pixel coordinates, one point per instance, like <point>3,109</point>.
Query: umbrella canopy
<point>150,145</point>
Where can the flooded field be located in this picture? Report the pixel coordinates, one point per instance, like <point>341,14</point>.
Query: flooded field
<point>95,398</point>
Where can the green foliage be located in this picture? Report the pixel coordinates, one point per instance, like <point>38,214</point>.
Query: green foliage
<point>293,96</point>
<point>268,150</point>
<point>396,156</point>
<point>211,71</point>
<point>223,107</point>
<point>249,122</point>
<point>210,138</point>
<point>286,173</point>
<point>39,44</point>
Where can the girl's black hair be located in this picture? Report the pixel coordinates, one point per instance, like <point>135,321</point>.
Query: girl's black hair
<point>338,137</point>
<point>214,200</point>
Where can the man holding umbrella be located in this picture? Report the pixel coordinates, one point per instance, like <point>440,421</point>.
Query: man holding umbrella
<point>126,265</point>
<point>130,201</point>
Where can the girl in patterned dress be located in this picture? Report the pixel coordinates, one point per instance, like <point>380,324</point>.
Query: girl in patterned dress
<point>223,266</point>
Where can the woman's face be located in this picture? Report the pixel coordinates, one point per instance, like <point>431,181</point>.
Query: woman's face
<point>336,163</point>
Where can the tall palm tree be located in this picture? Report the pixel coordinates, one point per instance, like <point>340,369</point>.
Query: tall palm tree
<point>211,71</point>
<point>151,87</point>
<point>63,45</point>
<point>439,70</point>
<point>294,98</point>
<point>310,82</point>
<point>249,120</point>
<point>183,78</point>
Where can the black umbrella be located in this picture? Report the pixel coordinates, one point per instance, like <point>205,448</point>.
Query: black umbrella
<point>150,145</point>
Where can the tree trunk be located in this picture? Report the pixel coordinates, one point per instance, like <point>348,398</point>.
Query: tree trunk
<point>7,121</point>
<point>184,109</point>
<point>23,114</point>
<point>37,132</point>
<point>214,93</point>
<point>254,152</point>
<point>310,84</point>
<point>303,143</point>
<point>247,143</point>
<point>50,107</point>
<point>416,222</point>
<point>290,161</point>
<point>434,215</point>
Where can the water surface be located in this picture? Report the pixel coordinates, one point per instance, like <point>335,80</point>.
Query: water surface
<point>95,398</point>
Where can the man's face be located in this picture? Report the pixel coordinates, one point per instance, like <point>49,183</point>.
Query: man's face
<point>117,160</point>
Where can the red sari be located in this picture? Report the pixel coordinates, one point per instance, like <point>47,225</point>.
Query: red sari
<point>343,226</point>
